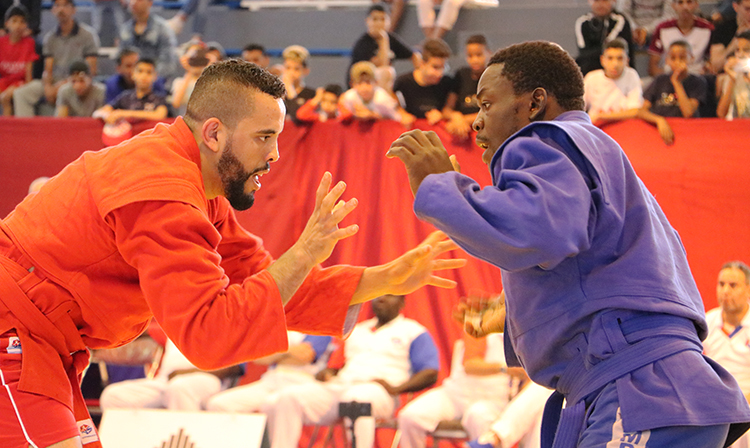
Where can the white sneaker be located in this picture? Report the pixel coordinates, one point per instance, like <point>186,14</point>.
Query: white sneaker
<point>176,24</point>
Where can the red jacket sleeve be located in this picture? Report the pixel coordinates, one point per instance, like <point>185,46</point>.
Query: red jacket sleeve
<point>205,280</point>
<point>214,323</point>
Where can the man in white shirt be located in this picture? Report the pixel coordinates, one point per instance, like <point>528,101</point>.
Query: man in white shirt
<point>298,365</point>
<point>614,92</point>
<point>385,356</point>
<point>728,341</point>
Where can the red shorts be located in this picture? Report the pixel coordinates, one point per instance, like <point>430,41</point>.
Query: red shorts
<point>28,419</point>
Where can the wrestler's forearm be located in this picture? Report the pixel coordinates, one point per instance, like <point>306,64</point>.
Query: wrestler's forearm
<point>372,284</point>
<point>290,270</point>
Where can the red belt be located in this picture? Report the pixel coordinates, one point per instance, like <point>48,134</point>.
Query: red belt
<point>53,353</point>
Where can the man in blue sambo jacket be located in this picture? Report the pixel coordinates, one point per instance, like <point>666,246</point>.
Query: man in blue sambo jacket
<point>600,302</point>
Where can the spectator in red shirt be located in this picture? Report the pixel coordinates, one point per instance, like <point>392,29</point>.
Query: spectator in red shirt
<point>17,55</point>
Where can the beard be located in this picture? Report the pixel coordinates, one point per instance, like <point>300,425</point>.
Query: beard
<point>234,177</point>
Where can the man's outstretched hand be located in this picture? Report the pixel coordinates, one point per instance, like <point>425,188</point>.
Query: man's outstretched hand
<point>422,153</point>
<point>411,271</point>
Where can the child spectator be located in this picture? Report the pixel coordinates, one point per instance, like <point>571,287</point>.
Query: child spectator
<point>724,37</point>
<point>195,61</point>
<point>688,27</point>
<point>645,14</point>
<point>80,96</point>
<point>673,95</point>
<point>613,92</point>
<point>69,41</point>
<point>366,100</point>
<point>150,34</point>
<point>140,103</point>
<point>465,82</point>
<point>256,54</point>
<point>323,106</point>
<point>295,69</point>
<point>426,92</point>
<point>380,46</point>
<point>595,29</point>
<point>123,79</point>
<point>734,85</point>
<point>17,56</point>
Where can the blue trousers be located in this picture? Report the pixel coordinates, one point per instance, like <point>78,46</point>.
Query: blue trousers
<point>604,429</point>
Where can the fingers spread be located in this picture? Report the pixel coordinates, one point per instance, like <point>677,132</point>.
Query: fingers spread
<point>325,184</point>
<point>343,208</point>
<point>451,263</point>
<point>332,197</point>
<point>441,282</point>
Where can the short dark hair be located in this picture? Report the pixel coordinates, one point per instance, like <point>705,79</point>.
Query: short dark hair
<point>477,39</point>
<point>435,48</point>
<point>738,265</point>
<point>535,64</point>
<point>334,89</point>
<point>17,10</point>
<point>148,61</point>
<point>255,47</point>
<point>79,66</point>
<point>378,7</point>
<point>617,42</point>
<point>684,44</point>
<point>744,35</point>
<point>70,2</point>
<point>125,52</point>
<point>216,92</point>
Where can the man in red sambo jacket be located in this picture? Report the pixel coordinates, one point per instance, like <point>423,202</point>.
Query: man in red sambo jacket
<point>146,229</point>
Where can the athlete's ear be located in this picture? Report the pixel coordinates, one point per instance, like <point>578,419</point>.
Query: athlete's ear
<point>210,133</point>
<point>538,104</point>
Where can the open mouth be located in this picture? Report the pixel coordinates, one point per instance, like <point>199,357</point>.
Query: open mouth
<point>483,145</point>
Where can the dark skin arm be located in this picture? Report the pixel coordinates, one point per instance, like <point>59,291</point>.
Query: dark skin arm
<point>418,381</point>
<point>422,153</point>
<point>326,374</point>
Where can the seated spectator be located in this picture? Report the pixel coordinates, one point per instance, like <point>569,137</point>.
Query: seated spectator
<point>366,100</point>
<point>397,11</point>
<point>447,17</point>
<point>80,96</point>
<point>688,27</point>
<point>323,106</point>
<point>426,92</point>
<point>295,71</point>
<point>123,79</point>
<point>673,95</point>
<point>734,85</point>
<point>614,92</point>
<point>385,356</point>
<point>307,355</point>
<point>215,52</point>
<point>256,54</point>
<point>520,423</point>
<point>17,56</point>
<point>595,29</point>
<point>116,9</point>
<point>465,82</point>
<point>140,103</point>
<point>151,36</point>
<point>380,46</point>
<point>729,328</point>
<point>724,38</point>
<point>476,392</point>
<point>195,60</point>
<point>178,386</point>
<point>69,41</point>
<point>645,15</point>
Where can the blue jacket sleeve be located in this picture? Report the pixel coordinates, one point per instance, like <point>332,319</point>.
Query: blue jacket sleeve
<point>536,214</point>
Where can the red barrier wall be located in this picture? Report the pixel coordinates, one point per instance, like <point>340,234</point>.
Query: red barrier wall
<point>701,182</point>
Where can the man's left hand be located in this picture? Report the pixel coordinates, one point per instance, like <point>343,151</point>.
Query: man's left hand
<point>422,153</point>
